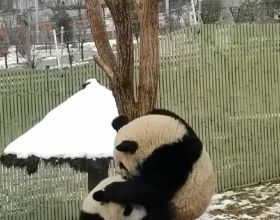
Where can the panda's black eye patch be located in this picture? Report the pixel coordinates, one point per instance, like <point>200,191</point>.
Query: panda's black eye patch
<point>127,211</point>
<point>128,147</point>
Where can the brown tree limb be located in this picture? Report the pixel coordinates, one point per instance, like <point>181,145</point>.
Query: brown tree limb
<point>123,89</point>
<point>99,34</point>
<point>147,11</point>
<point>104,67</point>
<point>120,10</point>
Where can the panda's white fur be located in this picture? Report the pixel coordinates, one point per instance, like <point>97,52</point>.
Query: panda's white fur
<point>152,131</point>
<point>192,200</point>
<point>110,211</point>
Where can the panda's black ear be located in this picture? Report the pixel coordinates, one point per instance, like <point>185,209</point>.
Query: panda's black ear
<point>119,122</point>
<point>127,147</point>
<point>127,211</point>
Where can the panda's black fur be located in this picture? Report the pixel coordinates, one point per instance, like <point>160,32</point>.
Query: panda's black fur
<point>160,175</point>
<point>87,216</point>
<point>119,122</point>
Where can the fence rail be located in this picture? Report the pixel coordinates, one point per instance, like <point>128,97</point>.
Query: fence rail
<point>223,79</point>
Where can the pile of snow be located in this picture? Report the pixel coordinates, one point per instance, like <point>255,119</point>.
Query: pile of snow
<point>79,127</point>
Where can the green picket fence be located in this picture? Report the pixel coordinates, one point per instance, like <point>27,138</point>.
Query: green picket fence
<point>223,79</point>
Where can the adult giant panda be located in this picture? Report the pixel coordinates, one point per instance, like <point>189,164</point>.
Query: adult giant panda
<point>94,210</point>
<point>165,163</point>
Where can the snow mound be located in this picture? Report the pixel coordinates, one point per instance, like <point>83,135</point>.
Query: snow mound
<point>80,127</point>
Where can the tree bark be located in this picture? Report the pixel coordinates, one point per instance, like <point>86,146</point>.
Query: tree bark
<point>121,66</point>
<point>99,33</point>
<point>123,83</point>
<point>149,54</point>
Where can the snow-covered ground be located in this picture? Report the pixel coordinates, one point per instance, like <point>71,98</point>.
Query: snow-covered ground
<point>79,127</point>
<point>43,57</point>
<point>260,202</point>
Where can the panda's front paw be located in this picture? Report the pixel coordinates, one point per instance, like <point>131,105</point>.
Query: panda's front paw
<point>100,196</point>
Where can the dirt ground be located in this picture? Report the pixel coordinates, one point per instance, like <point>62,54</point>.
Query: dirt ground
<point>260,202</point>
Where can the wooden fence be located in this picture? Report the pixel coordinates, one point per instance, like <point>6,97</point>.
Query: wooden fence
<point>223,79</point>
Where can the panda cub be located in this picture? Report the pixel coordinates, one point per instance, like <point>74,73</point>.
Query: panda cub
<point>166,165</point>
<point>94,210</point>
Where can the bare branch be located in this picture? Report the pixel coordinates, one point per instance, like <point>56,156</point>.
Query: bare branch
<point>99,34</point>
<point>103,66</point>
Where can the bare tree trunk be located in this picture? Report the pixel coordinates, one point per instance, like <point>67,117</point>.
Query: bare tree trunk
<point>49,42</point>
<point>6,61</point>
<point>120,68</point>
<point>50,47</point>
<point>17,53</point>
<point>123,84</point>
<point>99,33</point>
<point>69,54</point>
<point>82,49</point>
<point>46,46</point>
<point>28,43</point>
<point>149,55</point>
